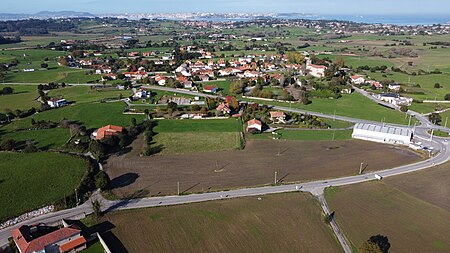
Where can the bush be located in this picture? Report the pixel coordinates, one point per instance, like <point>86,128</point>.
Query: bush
<point>101,180</point>
<point>8,144</point>
<point>447,97</point>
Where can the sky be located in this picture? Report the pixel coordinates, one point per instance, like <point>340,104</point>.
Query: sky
<point>362,7</point>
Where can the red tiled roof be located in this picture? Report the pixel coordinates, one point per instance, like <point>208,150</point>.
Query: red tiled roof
<point>276,114</point>
<point>26,244</point>
<point>108,130</point>
<point>72,244</point>
<point>223,107</point>
<point>209,87</point>
<point>254,122</point>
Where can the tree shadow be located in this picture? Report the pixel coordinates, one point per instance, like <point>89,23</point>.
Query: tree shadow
<point>123,180</point>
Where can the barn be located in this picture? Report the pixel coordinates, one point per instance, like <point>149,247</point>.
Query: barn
<point>382,133</point>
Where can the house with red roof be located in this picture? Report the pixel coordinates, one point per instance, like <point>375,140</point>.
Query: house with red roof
<point>210,88</point>
<point>357,79</point>
<point>254,126</point>
<point>223,108</point>
<point>278,117</point>
<point>317,71</point>
<point>41,238</point>
<point>106,131</point>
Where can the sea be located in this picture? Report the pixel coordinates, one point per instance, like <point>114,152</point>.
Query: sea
<point>370,19</point>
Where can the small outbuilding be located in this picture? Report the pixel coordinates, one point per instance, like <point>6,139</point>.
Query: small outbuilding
<point>383,133</point>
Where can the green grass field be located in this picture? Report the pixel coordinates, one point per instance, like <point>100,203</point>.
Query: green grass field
<point>353,105</point>
<point>43,139</point>
<point>84,94</point>
<point>93,115</point>
<point>190,136</point>
<point>426,83</point>
<point>30,181</point>
<point>23,98</point>
<point>277,223</point>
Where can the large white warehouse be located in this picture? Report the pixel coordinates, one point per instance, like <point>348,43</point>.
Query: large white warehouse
<point>382,133</point>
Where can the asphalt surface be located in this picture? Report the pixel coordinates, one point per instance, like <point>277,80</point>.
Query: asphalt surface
<point>440,149</point>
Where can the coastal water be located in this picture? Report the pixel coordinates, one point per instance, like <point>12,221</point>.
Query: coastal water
<point>371,19</point>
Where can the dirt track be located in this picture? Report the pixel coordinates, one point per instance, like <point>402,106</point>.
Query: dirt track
<point>134,176</point>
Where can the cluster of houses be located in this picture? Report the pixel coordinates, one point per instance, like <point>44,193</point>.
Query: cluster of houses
<point>256,126</point>
<point>392,97</point>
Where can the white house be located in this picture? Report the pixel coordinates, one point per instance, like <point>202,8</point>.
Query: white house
<point>395,99</point>
<point>357,79</point>
<point>317,71</point>
<point>56,102</point>
<point>394,86</point>
<point>254,125</point>
<point>382,133</point>
<point>141,93</point>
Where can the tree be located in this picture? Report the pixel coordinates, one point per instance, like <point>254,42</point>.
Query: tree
<point>7,91</point>
<point>8,144</point>
<point>97,149</point>
<point>147,113</point>
<point>340,62</point>
<point>30,147</point>
<point>44,65</point>
<point>435,118</point>
<point>234,103</point>
<point>381,241</point>
<point>404,108</point>
<point>172,107</point>
<point>236,88</point>
<point>447,97</point>
<point>133,122</point>
<point>97,209</point>
<point>369,247</point>
<point>295,58</point>
<point>437,85</point>
<point>101,180</point>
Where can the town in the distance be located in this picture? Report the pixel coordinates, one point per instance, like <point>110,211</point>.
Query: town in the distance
<point>223,132</point>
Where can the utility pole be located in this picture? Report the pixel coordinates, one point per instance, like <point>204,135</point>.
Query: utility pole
<point>432,132</point>
<point>446,118</point>
<point>334,115</point>
<point>334,132</point>
<point>275,181</point>
<point>360,168</point>
<point>409,122</point>
<point>178,188</point>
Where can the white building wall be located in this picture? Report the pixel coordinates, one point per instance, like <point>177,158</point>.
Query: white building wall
<point>381,137</point>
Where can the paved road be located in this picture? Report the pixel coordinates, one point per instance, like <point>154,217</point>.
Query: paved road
<point>316,187</point>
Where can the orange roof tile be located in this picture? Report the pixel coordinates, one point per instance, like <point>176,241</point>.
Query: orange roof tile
<point>72,244</point>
